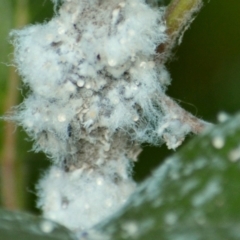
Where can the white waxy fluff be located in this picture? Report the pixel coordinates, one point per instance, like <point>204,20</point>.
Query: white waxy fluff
<point>80,199</point>
<point>97,92</point>
<point>93,56</point>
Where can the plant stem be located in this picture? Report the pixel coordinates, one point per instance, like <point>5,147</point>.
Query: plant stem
<point>197,125</point>
<point>10,172</point>
<point>179,15</point>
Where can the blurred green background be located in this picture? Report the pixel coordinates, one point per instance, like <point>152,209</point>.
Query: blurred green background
<point>205,74</point>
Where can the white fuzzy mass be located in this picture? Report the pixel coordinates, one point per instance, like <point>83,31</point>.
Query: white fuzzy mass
<point>97,92</point>
<point>78,200</point>
<point>94,65</point>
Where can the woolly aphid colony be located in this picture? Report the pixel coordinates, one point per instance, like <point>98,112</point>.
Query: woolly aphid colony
<point>97,91</point>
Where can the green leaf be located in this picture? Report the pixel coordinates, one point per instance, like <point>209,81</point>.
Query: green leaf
<point>195,194</point>
<point>23,226</point>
